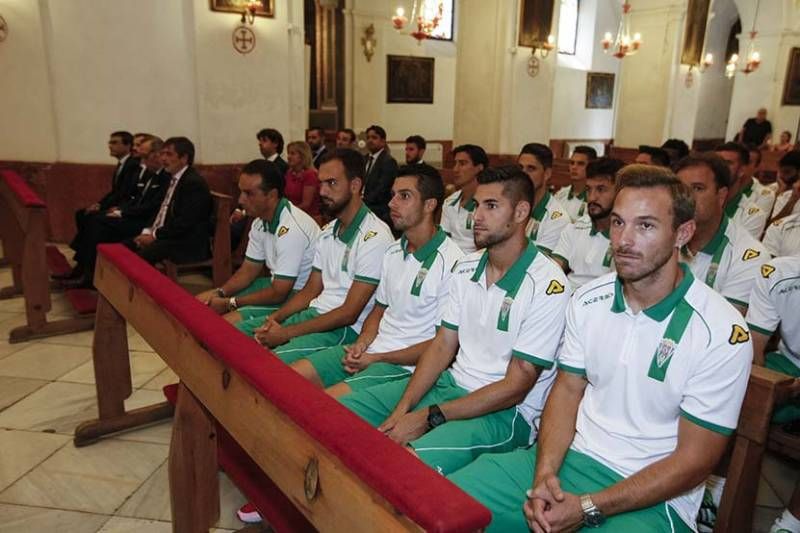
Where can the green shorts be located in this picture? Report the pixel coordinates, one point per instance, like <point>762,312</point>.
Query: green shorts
<point>304,345</point>
<point>454,444</point>
<point>254,316</point>
<point>500,481</point>
<point>790,410</point>
<point>328,365</point>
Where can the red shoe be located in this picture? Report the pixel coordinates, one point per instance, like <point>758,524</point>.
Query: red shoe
<point>248,514</point>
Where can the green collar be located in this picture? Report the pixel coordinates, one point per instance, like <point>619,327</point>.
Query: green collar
<point>426,249</point>
<point>594,231</point>
<point>470,206</point>
<point>712,245</point>
<point>541,208</point>
<point>349,233</point>
<point>733,205</point>
<point>662,309</point>
<point>515,274</point>
<point>747,190</point>
<point>272,227</point>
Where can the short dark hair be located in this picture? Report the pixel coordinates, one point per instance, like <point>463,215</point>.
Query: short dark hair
<point>659,156</point>
<point>604,166</point>
<point>588,151</point>
<point>124,136</point>
<point>676,146</point>
<point>650,177</point>
<point>273,135</point>
<point>429,182</point>
<point>377,129</point>
<point>541,152</point>
<point>349,132</point>
<point>417,140</point>
<point>744,153</point>
<point>352,161</point>
<point>476,154</point>
<point>183,147</point>
<point>271,177</point>
<point>517,186</point>
<point>319,130</point>
<point>791,159</point>
<point>710,160</point>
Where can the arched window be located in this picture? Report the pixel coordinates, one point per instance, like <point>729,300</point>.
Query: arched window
<point>568,26</point>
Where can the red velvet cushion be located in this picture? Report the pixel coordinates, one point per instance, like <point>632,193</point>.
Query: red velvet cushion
<point>26,195</point>
<point>84,301</point>
<point>414,489</point>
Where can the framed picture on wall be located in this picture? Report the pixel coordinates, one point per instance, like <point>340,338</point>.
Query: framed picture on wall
<point>599,90</point>
<point>791,87</point>
<point>535,22</point>
<point>264,8</point>
<point>409,80</point>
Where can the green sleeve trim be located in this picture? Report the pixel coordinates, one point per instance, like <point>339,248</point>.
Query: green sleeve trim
<point>448,325</point>
<point>532,359</point>
<point>281,276</point>
<point>763,331</point>
<point>365,279</point>
<point>253,259</point>
<point>315,269</point>
<point>722,430</point>
<point>734,301</point>
<point>572,369</point>
<point>381,304</point>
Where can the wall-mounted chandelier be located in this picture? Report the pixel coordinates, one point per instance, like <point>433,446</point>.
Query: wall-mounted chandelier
<point>625,43</point>
<point>425,18</point>
<point>752,60</point>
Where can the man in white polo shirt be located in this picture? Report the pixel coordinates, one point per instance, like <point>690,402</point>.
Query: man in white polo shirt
<point>548,217</point>
<point>459,208</point>
<point>721,253</point>
<point>281,239</point>
<point>415,280</point>
<point>743,206</point>
<point>782,237</point>
<point>338,295</point>
<point>500,331</point>
<point>584,251</point>
<point>573,196</point>
<point>652,374</point>
<point>788,191</point>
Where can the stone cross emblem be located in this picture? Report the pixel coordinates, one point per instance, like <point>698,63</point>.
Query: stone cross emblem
<point>244,40</point>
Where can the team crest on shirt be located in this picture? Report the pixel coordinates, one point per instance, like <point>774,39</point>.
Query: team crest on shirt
<point>665,351</point>
<point>554,288</point>
<point>283,230</point>
<point>767,270</point>
<point>555,215</point>
<point>739,335</point>
<point>750,254</point>
<point>753,210</point>
<point>369,235</point>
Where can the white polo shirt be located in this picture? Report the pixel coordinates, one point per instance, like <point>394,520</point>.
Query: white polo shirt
<point>575,204</point>
<point>737,257</point>
<point>774,304</point>
<point>762,195</point>
<point>548,220</point>
<point>285,244</point>
<point>355,254</point>
<point>744,211</point>
<point>457,221</point>
<point>780,202</point>
<point>783,236</point>
<point>586,251</point>
<point>687,356</point>
<point>414,288</point>
<point>521,315</point>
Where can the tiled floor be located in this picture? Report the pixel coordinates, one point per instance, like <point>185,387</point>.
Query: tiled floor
<point>120,484</point>
<point>117,485</point>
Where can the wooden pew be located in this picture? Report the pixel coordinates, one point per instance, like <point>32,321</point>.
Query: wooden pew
<point>306,461</point>
<point>23,229</point>
<point>221,262</point>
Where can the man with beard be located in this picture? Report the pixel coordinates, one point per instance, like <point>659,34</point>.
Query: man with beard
<point>315,137</point>
<point>548,216</point>
<point>458,208</point>
<point>573,196</point>
<point>637,419</point>
<point>472,390</point>
<point>281,240</point>
<point>743,205</point>
<point>584,250</point>
<point>339,294</point>
<point>415,280</point>
<point>722,254</point>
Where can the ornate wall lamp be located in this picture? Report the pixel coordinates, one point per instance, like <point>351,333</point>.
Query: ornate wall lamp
<point>368,42</point>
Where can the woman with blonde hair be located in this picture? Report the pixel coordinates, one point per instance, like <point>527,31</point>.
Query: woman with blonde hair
<point>302,185</point>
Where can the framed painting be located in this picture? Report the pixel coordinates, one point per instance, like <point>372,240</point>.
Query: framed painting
<point>695,35</point>
<point>409,80</point>
<point>263,8</point>
<point>599,90</point>
<point>535,22</point>
<point>791,87</point>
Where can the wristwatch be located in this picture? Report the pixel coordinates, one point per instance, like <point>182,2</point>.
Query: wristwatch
<point>220,292</point>
<point>232,304</point>
<point>435,417</point>
<point>592,517</point>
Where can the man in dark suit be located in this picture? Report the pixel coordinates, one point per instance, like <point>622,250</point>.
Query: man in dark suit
<point>181,228</point>
<point>379,174</point>
<point>315,137</point>
<point>270,143</point>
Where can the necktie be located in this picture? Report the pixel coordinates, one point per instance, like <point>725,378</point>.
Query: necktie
<point>162,211</point>
<point>370,162</point>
